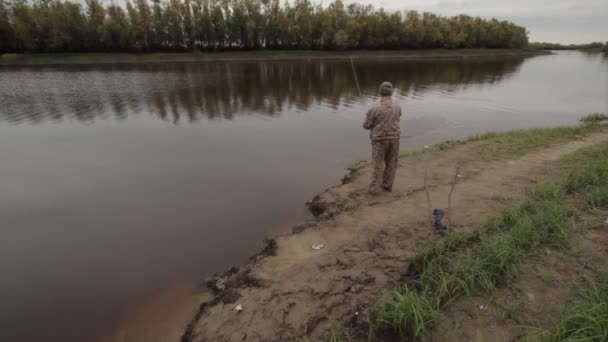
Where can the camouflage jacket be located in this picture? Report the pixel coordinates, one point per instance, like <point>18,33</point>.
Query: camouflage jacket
<point>383,120</point>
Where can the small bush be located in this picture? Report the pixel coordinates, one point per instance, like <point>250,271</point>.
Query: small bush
<point>406,312</point>
<point>339,333</point>
<point>594,117</point>
<point>547,192</point>
<point>597,197</point>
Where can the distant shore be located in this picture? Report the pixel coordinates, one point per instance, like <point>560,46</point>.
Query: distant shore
<point>253,56</point>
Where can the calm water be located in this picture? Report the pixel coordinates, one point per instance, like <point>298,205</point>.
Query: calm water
<point>119,181</point>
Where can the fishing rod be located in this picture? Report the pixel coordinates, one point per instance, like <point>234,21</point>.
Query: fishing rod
<point>352,64</point>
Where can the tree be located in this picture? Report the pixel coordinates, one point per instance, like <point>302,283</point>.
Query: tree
<point>116,30</point>
<point>7,33</point>
<point>218,24</point>
<point>96,14</point>
<point>25,28</point>
<point>159,26</point>
<point>175,33</point>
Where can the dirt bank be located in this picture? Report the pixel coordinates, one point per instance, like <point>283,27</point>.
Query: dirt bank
<point>254,56</point>
<point>297,292</point>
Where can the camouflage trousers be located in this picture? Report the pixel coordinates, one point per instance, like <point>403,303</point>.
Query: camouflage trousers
<point>385,154</point>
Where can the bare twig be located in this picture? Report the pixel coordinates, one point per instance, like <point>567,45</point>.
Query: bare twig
<point>428,195</point>
<point>450,196</point>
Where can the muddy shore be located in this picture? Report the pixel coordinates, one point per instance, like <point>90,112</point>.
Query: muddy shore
<point>254,56</point>
<point>292,291</point>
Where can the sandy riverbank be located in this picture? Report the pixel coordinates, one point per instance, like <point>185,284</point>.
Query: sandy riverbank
<point>293,292</point>
<point>254,56</point>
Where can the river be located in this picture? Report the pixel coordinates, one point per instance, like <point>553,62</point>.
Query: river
<point>122,186</point>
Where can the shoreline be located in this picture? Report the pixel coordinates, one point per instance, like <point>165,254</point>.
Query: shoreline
<point>256,56</point>
<point>254,283</point>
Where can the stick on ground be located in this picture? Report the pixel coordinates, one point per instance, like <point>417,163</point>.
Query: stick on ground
<point>450,196</point>
<point>428,195</point>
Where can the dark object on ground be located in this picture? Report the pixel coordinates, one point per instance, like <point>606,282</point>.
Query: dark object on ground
<point>439,227</point>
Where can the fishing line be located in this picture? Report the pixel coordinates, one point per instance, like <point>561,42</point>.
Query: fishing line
<point>352,64</point>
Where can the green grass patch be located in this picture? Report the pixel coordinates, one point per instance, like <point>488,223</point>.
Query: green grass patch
<point>589,182</point>
<point>597,197</point>
<point>505,310</point>
<point>573,160</point>
<point>585,319</point>
<point>517,142</point>
<point>407,312</point>
<point>339,333</point>
<point>595,117</point>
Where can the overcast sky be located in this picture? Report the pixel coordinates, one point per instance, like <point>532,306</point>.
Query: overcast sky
<point>562,21</point>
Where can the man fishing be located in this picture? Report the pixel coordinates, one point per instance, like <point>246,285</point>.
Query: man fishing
<point>382,121</point>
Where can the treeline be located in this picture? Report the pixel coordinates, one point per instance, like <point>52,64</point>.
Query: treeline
<point>187,25</point>
<point>557,46</point>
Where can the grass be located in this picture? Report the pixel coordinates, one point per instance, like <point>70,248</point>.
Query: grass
<point>588,183</point>
<point>520,142</point>
<point>505,310</point>
<point>517,142</point>
<point>463,263</point>
<point>595,117</point>
<point>585,319</point>
<point>407,312</point>
<point>339,333</point>
<point>550,276</point>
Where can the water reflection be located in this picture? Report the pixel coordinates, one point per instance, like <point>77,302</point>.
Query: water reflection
<point>188,92</point>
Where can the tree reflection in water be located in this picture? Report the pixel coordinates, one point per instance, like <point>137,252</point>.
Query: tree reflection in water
<point>181,93</point>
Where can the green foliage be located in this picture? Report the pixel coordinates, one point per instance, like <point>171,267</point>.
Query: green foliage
<point>408,313</point>
<point>268,246</point>
<point>7,30</point>
<point>585,319</point>
<point>185,25</point>
<point>518,142</point>
<point>595,117</point>
<point>591,177</point>
<point>549,191</point>
<point>432,250</point>
<point>339,333</point>
<point>597,197</point>
<point>522,141</point>
<point>505,310</point>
